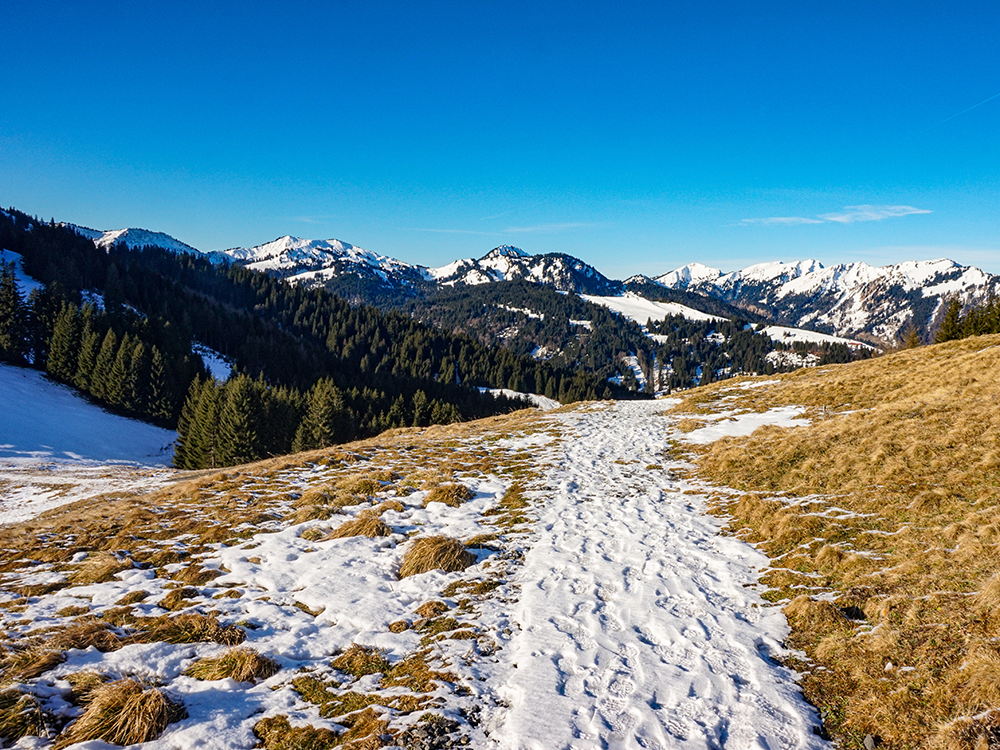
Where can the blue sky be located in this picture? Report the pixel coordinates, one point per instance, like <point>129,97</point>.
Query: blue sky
<point>636,136</point>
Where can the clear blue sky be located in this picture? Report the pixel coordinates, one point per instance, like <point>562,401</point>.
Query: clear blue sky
<point>638,137</point>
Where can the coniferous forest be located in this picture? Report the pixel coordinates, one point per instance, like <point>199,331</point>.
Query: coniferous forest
<point>309,369</point>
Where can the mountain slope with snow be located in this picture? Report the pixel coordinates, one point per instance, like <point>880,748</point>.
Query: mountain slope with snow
<point>133,238</point>
<point>849,299</point>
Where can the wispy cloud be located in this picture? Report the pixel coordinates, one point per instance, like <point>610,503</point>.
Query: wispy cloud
<point>564,227</point>
<point>850,215</point>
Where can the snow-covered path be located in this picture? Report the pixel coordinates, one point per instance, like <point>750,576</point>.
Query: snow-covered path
<point>639,624</point>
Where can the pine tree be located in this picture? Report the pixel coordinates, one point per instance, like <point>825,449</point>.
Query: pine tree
<point>117,382</point>
<point>158,405</point>
<point>64,349</point>
<point>951,326</point>
<point>90,344</point>
<point>239,418</point>
<point>102,366</point>
<point>13,334</point>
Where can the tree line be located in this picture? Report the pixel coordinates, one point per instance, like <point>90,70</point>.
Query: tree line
<point>309,369</point>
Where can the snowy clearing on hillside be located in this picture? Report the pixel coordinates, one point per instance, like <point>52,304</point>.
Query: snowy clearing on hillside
<point>641,310</point>
<point>219,367</point>
<point>603,609</point>
<point>539,402</point>
<point>56,447</point>
<point>25,283</point>
<point>792,335</point>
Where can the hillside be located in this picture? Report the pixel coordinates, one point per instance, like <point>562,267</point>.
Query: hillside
<point>586,598</point>
<point>881,517</point>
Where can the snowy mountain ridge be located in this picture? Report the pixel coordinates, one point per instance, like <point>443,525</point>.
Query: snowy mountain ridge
<point>855,300</point>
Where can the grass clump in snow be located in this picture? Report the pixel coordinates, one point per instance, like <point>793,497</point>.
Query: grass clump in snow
<point>276,733</point>
<point>452,494</point>
<point>435,553</point>
<point>315,513</point>
<point>388,505</point>
<point>20,716</point>
<point>366,524</point>
<point>359,485</point>
<point>360,660</point>
<point>124,712</point>
<point>99,567</point>
<point>28,663</point>
<point>190,627</point>
<point>84,633</point>
<point>240,664</point>
<point>886,508</point>
<point>431,609</point>
<point>178,598</point>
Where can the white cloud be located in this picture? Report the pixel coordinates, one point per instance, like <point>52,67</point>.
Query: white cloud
<point>852,214</point>
<point>849,215</point>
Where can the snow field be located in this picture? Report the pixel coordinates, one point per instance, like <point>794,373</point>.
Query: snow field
<point>639,624</point>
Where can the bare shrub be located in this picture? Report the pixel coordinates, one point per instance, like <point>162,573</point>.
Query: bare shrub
<point>435,553</point>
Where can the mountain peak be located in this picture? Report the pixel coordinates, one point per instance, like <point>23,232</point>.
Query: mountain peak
<point>506,251</point>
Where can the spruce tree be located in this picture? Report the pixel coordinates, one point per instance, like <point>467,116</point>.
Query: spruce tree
<point>239,422</point>
<point>183,452</point>
<point>117,382</point>
<point>13,334</point>
<point>134,394</point>
<point>951,326</point>
<point>158,405</point>
<point>64,349</point>
<point>102,366</point>
<point>90,344</point>
<point>202,451</point>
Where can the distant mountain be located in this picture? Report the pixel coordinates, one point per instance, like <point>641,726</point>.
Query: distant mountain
<point>132,237</point>
<point>850,299</point>
<point>854,300</point>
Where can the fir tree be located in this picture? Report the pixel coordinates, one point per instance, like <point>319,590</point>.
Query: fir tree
<point>102,366</point>
<point>64,349</point>
<point>158,405</point>
<point>951,326</point>
<point>238,422</point>
<point>13,334</point>
<point>202,447</point>
<point>117,381</point>
<point>90,344</point>
<point>325,421</point>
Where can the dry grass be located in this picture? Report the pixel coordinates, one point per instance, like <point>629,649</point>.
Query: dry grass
<point>83,684</point>
<point>453,494</point>
<point>364,525</point>
<point>99,567</point>
<point>388,505</point>
<point>315,513</point>
<point>359,661</point>
<point>85,633</point>
<point>431,609</point>
<point>125,712</point>
<point>360,485</point>
<point>888,504</point>
<point>276,733</point>
<point>29,663</point>
<point>20,716</point>
<point>178,598</point>
<point>240,664</point>
<point>188,628</point>
<point>435,553</point>
<point>978,733</point>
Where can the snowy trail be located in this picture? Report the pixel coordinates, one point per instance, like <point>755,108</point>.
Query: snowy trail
<point>639,628</point>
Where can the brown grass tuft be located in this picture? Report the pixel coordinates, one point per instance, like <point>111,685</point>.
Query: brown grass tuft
<point>190,627</point>
<point>359,485</point>
<point>452,493</point>
<point>99,567</point>
<point>276,733</point>
<point>30,662</point>
<point>178,598</point>
<point>431,609</point>
<point>20,716</point>
<point>240,664</point>
<point>85,633</point>
<point>975,733</point>
<point>364,525</point>
<point>388,505</point>
<point>361,660</point>
<point>125,712</point>
<point>435,553</point>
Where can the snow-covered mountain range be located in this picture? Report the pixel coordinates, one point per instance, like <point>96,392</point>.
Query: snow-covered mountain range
<point>855,300</point>
<point>849,299</point>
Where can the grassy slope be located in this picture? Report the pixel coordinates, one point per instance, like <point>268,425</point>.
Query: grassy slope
<point>169,531</point>
<point>882,519</point>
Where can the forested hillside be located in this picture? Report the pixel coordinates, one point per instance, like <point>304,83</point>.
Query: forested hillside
<point>310,369</point>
